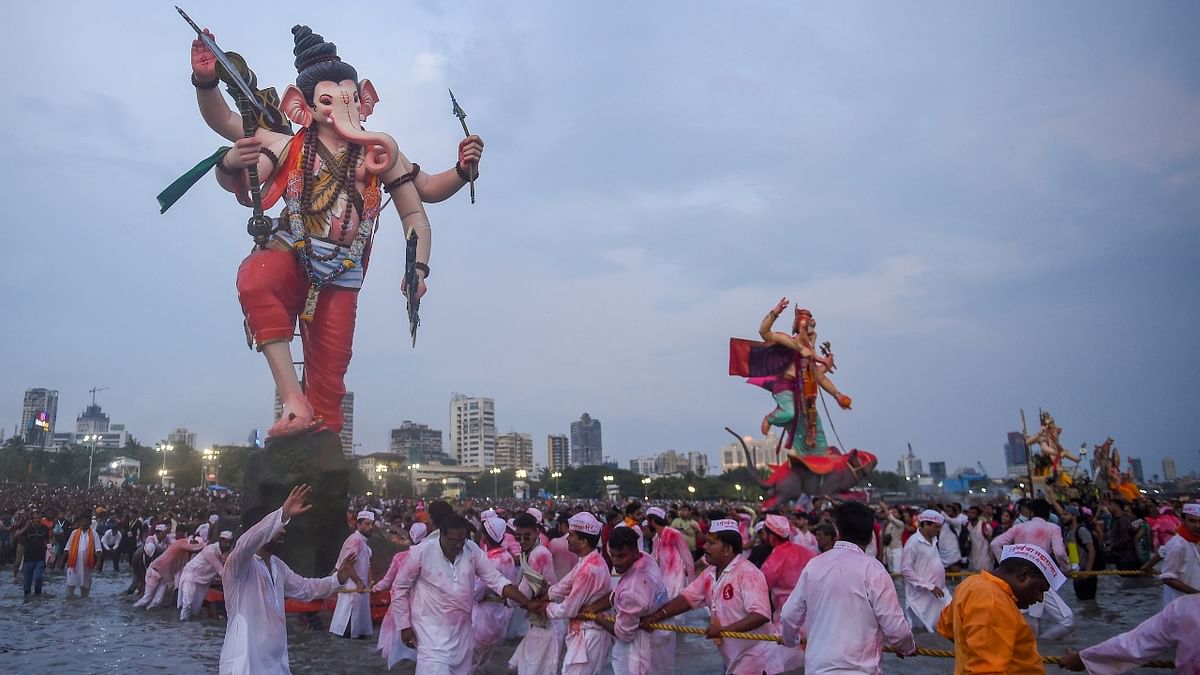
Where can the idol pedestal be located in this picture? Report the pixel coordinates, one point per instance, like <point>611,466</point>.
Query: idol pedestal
<point>314,538</point>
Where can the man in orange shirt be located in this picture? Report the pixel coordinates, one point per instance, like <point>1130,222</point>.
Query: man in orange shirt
<point>984,620</point>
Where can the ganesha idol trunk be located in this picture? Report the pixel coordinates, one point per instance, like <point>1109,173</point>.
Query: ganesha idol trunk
<point>314,539</point>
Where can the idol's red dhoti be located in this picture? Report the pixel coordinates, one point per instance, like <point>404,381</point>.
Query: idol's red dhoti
<point>272,289</point>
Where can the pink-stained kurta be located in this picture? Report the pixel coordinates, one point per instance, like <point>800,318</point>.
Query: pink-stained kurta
<point>1046,535</point>
<point>846,602</point>
<point>256,635</point>
<point>390,646</point>
<point>638,592</point>
<point>353,610</point>
<point>1176,627</point>
<point>163,573</point>
<point>490,615</point>
<point>541,649</point>
<point>196,577</point>
<point>435,597</point>
<point>782,570</point>
<point>564,560</point>
<point>806,539</point>
<point>739,591</point>
<point>675,562</point>
<point>587,643</point>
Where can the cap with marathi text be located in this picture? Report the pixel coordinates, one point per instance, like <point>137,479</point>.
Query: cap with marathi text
<point>931,516</point>
<point>584,522</point>
<point>723,525</point>
<point>1038,556</point>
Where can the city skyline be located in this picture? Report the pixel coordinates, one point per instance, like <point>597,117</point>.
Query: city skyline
<point>1010,464</point>
<point>982,216</point>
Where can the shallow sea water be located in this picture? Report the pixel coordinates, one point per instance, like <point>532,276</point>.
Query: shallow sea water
<point>105,634</point>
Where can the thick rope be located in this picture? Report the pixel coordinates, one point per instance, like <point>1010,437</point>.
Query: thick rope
<point>767,637</point>
<point>1073,575</point>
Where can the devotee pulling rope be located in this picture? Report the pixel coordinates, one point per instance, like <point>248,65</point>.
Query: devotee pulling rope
<point>939,653</point>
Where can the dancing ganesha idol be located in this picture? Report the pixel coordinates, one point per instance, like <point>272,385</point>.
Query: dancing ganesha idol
<point>1048,462</point>
<point>330,175</point>
<point>789,366</point>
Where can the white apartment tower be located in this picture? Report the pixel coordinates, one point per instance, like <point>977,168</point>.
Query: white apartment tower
<point>473,430</point>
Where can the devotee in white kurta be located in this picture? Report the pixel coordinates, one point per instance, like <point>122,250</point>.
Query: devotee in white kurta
<point>491,615</point>
<point>256,582</point>
<point>1176,627</point>
<point>587,644</point>
<point>82,550</point>
<point>199,573</point>
<point>434,594</point>
<point>670,551</point>
<point>925,592</point>
<point>638,592</point>
<point>389,645</point>
<point>352,614</point>
<point>1181,558</point>
<point>541,648</point>
<point>849,602</point>
<point>736,595</point>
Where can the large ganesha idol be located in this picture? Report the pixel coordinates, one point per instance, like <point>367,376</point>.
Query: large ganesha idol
<point>330,176</point>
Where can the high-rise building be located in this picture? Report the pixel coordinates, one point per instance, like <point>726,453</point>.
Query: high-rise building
<point>698,462</point>
<point>909,466</point>
<point>587,448</point>
<point>643,466</point>
<point>937,471</point>
<point>558,452</point>
<point>1016,460</point>
<point>670,463</point>
<point>91,421</point>
<point>38,413</point>
<point>347,434</point>
<point>1169,473</point>
<point>473,430</point>
<point>514,450</point>
<point>1135,465</point>
<point>417,443</point>
<point>762,451</point>
<point>181,437</point>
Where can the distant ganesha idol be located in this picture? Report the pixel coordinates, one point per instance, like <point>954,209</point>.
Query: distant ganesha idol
<point>311,260</point>
<point>788,365</point>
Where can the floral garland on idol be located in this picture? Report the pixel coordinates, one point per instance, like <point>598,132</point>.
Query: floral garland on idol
<point>302,240</point>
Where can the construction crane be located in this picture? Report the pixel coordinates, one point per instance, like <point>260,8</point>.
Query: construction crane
<point>94,390</point>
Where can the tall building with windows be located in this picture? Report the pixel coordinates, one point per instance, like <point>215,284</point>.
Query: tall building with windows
<point>38,414</point>
<point>181,437</point>
<point>347,434</point>
<point>698,462</point>
<point>1135,465</point>
<point>417,443</point>
<point>909,465</point>
<point>473,430</point>
<point>514,450</point>
<point>1016,461</point>
<point>762,451</point>
<point>558,452</point>
<point>937,471</point>
<point>587,449</point>
<point>91,421</point>
<point>1169,473</point>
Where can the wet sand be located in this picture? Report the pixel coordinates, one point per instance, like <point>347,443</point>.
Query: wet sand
<point>105,634</point>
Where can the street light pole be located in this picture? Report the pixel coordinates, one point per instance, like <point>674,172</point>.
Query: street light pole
<point>495,470</point>
<point>412,469</point>
<point>556,475</point>
<point>91,439</point>
<point>164,448</point>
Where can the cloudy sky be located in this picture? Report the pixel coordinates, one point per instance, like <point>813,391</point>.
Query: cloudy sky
<point>987,208</point>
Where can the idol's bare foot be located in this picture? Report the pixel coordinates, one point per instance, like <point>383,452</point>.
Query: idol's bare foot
<point>297,418</point>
